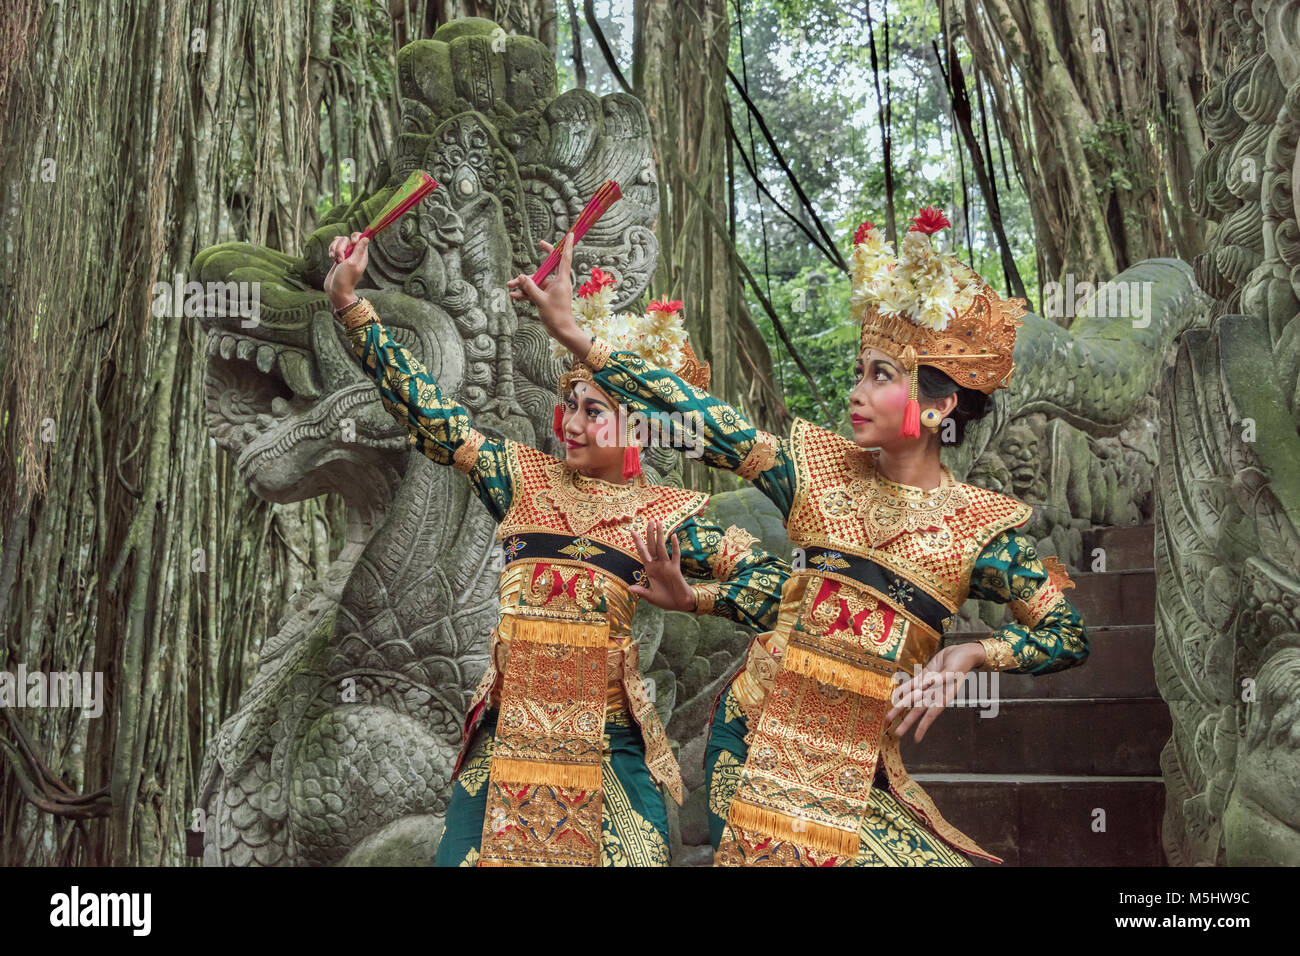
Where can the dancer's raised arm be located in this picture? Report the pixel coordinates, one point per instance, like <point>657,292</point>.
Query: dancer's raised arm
<point>439,428</point>
<point>728,438</point>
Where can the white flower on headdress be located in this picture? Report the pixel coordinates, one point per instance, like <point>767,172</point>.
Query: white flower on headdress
<point>933,308</point>
<point>658,335</point>
<point>895,296</point>
<point>928,287</point>
<point>917,252</point>
<point>594,307</point>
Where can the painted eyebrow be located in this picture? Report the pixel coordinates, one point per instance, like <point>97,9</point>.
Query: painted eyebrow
<point>889,365</point>
<point>597,402</point>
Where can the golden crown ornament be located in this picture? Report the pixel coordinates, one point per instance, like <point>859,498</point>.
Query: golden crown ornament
<point>927,307</point>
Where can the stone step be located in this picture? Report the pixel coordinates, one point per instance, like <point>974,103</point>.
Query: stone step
<point>1114,598</point>
<point>1119,664</point>
<point>1113,736</point>
<point>1046,820</point>
<point>1126,548</point>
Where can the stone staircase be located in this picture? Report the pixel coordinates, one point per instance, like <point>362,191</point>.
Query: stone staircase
<point>1032,783</point>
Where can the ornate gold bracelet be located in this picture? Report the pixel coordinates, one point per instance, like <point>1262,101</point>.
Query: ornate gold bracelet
<point>353,316</point>
<point>598,354</point>
<point>997,654</point>
<point>705,596</point>
<point>761,456</point>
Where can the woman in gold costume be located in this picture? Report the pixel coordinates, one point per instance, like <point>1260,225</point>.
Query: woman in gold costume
<point>563,753</point>
<point>802,758</point>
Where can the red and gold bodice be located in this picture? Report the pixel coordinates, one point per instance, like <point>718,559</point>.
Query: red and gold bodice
<point>570,558</point>
<point>882,567</point>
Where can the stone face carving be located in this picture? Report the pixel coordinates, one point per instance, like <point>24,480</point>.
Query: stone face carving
<point>1228,484</point>
<point>341,749</point>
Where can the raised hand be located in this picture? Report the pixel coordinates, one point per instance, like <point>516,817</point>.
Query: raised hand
<point>665,586</point>
<point>554,300</point>
<point>344,275</point>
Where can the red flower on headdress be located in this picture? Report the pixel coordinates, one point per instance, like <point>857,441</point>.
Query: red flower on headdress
<point>663,305</point>
<point>929,220</point>
<point>599,279</point>
<point>861,234</point>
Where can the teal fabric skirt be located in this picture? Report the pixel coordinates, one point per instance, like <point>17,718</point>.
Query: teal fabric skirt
<point>634,817</point>
<point>891,835</point>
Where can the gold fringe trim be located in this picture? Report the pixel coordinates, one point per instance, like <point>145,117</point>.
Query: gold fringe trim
<point>493,862</point>
<point>510,771</point>
<point>571,633</point>
<point>815,836</point>
<point>801,660</point>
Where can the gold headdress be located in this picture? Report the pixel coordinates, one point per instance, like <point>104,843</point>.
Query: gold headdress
<point>658,336</point>
<point>928,308</point>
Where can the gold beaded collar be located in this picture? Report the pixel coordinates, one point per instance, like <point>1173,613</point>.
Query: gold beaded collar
<point>585,486</point>
<point>890,508</point>
<point>586,502</point>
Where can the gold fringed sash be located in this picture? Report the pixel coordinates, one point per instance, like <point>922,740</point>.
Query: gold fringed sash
<point>910,794</point>
<point>801,659</point>
<point>808,775</point>
<point>544,786</point>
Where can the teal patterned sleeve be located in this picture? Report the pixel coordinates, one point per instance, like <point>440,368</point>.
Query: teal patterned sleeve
<point>745,583</point>
<point>1049,634</point>
<point>438,427</point>
<point>698,422</point>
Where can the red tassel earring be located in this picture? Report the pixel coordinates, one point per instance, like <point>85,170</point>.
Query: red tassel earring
<point>912,414</point>
<point>557,424</point>
<point>631,457</point>
<point>631,461</point>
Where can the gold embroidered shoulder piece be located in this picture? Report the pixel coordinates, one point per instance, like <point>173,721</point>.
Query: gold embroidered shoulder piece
<point>550,498</point>
<point>929,537</point>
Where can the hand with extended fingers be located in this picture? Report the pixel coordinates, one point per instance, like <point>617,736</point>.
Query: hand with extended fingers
<point>925,697</point>
<point>664,586</point>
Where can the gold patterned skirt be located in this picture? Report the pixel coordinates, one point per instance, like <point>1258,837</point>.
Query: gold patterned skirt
<point>634,817</point>
<point>891,834</point>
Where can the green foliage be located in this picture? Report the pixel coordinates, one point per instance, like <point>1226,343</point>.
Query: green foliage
<point>363,46</point>
<point>808,69</point>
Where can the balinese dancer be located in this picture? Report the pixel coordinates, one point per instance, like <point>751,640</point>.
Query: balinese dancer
<point>802,759</point>
<point>563,753</point>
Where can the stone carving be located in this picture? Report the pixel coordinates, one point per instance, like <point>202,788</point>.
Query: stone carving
<point>1227,493</point>
<point>342,748</point>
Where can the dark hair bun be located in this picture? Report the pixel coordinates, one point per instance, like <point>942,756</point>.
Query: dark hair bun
<point>971,405</point>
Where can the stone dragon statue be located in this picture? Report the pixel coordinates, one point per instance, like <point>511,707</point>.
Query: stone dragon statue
<point>1228,483</point>
<point>342,747</point>
<point>340,751</point>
